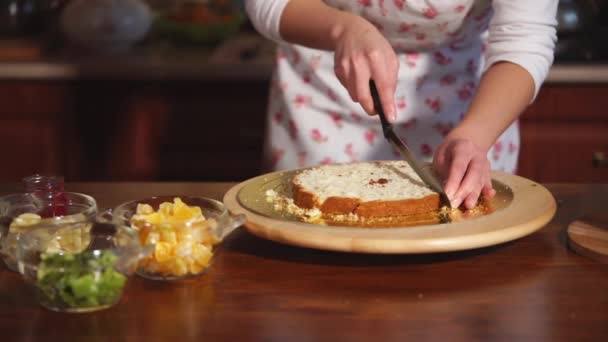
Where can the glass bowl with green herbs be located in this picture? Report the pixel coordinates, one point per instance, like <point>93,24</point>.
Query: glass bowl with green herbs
<point>88,278</point>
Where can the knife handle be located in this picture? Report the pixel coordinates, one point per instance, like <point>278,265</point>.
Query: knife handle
<point>386,126</point>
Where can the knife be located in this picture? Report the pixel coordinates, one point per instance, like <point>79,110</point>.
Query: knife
<point>426,175</point>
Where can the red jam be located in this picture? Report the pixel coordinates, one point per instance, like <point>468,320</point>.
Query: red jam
<point>50,189</point>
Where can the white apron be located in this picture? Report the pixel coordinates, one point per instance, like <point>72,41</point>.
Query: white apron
<point>439,44</point>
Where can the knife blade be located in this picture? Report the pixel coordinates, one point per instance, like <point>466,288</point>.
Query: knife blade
<point>421,170</point>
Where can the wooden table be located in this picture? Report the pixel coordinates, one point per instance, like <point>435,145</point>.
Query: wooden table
<point>530,289</point>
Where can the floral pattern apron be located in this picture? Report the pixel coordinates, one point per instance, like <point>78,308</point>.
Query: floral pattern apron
<point>439,43</point>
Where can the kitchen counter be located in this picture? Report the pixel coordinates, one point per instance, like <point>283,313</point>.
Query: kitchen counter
<point>532,289</point>
<point>224,63</point>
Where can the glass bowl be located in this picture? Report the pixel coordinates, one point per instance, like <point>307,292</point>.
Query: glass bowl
<point>184,231</point>
<point>24,211</point>
<point>80,266</point>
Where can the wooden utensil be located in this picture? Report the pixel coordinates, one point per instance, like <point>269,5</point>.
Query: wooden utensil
<point>588,236</point>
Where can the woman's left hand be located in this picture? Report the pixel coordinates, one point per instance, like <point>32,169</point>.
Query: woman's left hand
<point>466,170</point>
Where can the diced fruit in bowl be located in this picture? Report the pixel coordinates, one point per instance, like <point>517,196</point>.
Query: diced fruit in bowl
<point>183,230</point>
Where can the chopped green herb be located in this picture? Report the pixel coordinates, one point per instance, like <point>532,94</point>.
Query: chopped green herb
<point>86,279</point>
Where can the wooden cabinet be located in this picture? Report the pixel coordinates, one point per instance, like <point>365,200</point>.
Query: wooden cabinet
<point>565,134</point>
<point>133,130</point>
<point>31,129</point>
<point>213,131</point>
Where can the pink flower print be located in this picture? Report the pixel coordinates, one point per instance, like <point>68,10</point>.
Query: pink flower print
<point>410,124</point>
<point>442,128</point>
<point>447,80</point>
<point>512,148</point>
<point>471,67</point>
<point>442,27</point>
<point>302,100</point>
<point>332,96</point>
<point>277,154</point>
<point>405,27</point>
<point>295,57</point>
<point>302,158</point>
<point>420,36</point>
<point>411,59</point>
<point>383,9</point>
<point>278,117</point>
<point>496,153</point>
<point>400,103</point>
<point>281,55</point>
<point>426,150</point>
<point>283,86</point>
<point>356,117</point>
<point>370,136</point>
<point>316,135</point>
<point>327,160</point>
<point>466,91</point>
<point>456,44</point>
<point>365,3</point>
<point>442,59</point>
<point>464,94</point>
<point>430,12</point>
<point>459,9</point>
<point>496,150</point>
<point>306,77</point>
<point>349,150</point>
<point>434,104</point>
<point>336,117</point>
<point>293,129</point>
<point>400,4</point>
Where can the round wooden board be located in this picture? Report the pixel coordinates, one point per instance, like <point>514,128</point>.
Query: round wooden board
<point>532,207</point>
<point>588,236</point>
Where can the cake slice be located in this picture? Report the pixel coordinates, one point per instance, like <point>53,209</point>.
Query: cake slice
<point>366,189</point>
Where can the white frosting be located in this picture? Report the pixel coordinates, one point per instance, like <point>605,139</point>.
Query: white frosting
<point>368,181</point>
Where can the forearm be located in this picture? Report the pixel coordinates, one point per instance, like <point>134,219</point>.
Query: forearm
<point>504,92</point>
<point>314,24</point>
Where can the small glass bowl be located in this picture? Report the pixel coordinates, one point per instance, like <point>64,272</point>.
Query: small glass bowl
<point>81,266</point>
<point>76,207</point>
<point>183,248</point>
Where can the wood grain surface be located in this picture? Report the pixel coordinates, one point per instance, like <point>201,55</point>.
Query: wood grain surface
<point>531,289</point>
<point>588,236</point>
<point>531,207</point>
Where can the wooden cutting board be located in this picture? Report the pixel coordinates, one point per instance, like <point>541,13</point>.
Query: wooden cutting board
<point>528,208</point>
<point>588,236</point>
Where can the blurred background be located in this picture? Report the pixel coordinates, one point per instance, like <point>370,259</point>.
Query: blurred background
<point>170,90</point>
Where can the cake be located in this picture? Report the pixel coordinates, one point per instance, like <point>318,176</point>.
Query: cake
<point>365,189</point>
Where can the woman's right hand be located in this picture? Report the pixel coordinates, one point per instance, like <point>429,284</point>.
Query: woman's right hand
<point>363,53</point>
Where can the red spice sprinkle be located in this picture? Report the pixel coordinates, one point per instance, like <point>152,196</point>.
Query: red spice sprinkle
<point>380,181</point>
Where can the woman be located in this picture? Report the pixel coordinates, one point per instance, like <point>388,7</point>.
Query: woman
<point>453,76</point>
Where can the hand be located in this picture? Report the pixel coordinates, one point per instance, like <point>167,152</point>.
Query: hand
<point>362,53</point>
<point>466,169</point>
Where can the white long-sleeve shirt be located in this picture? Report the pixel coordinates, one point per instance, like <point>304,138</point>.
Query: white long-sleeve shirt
<point>443,47</point>
<point>521,31</point>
